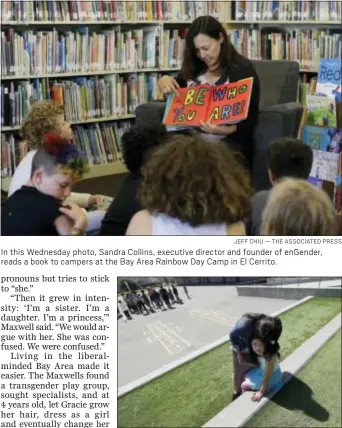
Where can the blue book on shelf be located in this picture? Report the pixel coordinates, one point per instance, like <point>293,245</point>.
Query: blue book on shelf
<point>329,78</point>
<point>324,139</point>
<point>275,10</point>
<point>62,54</point>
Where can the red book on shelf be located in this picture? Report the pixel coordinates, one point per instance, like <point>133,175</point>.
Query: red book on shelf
<point>57,94</point>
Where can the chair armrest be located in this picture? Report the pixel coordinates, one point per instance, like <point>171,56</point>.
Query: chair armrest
<point>150,114</point>
<point>289,114</point>
<point>281,120</point>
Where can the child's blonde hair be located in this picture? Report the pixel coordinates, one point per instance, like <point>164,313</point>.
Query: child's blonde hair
<point>297,208</point>
<point>41,119</point>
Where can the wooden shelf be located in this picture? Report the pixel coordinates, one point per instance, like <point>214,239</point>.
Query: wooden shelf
<point>9,128</point>
<point>176,22</point>
<point>105,73</point>
<point>135,22</point>
<point>102,119</point>
<point>106,169</point>
<point>88,73</point>
<point>95,171</point>
<point>155,22</point>
<point>79,122</point>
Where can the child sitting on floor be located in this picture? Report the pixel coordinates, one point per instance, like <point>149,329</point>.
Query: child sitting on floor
<point>48,117</point>
<point>37,209</point>
<point>297,208</point>
<point>267,375</point>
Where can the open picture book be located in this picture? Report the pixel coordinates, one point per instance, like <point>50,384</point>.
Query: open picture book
<point>220,105</point>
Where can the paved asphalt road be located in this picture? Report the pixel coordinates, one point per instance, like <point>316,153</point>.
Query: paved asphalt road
<point>148,342</point>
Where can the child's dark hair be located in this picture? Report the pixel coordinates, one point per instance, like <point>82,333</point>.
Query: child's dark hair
<point>58,154</point>
<point>271,349</point>
<point>289,157</point>
<point>137,142</point>
<point>254,316</point>
<point>268,329</point>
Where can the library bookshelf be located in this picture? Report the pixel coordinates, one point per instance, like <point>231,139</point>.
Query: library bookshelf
<point>172,20</point>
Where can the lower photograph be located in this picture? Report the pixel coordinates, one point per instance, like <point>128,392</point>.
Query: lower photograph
<point>229,352</point>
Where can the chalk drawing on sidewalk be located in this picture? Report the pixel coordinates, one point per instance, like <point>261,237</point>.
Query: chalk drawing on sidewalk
<point>212,315</point>
<point>168,335</point>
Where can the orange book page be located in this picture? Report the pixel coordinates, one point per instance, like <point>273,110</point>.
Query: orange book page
<point>188,106</point>
<point>219,105</point>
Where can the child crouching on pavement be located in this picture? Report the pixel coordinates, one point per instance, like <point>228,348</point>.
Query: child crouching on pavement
<point>248,327</point>
<point>267,373</point>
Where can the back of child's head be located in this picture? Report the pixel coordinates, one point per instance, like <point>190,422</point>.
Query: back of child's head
<point>268,329</point>
<point>43,117</point>
<point>196,182</point>
<point>289,157</point>
<point>297,208</point>
<point>137,143</point>
<point>58,156</point>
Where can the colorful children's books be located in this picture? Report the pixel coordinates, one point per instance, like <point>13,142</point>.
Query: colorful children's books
<point>220,105</point>
<point>321,111</point>
<point>325,139</point>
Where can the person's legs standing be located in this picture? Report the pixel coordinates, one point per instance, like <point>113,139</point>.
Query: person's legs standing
<point>238,372</point>
<point>128,315</point>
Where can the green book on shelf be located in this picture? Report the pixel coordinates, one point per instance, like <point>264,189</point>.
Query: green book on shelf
<point>321,111</point>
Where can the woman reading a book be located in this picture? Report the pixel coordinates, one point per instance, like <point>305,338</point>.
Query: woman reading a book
<point>210,58</point>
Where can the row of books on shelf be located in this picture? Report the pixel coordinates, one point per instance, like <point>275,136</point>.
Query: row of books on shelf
<point>100,144</point>
<point>140,10</point>
<point>111,10</point>
<point>304,46</point>
<point>49,52</point>
<point>287,10</point>
<point>30,53</point>
<point>83,98</point>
